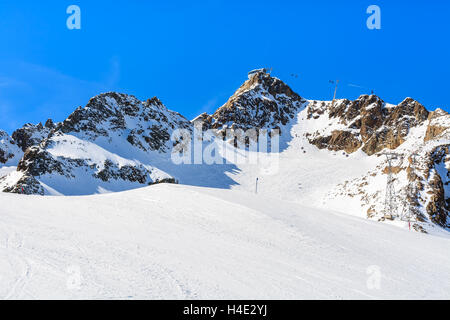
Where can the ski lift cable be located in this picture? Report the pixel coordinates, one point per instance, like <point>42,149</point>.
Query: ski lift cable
<point>339,82</point>
<point>349,84</point>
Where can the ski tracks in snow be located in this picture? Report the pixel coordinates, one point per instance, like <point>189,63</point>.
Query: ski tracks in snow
<point>12,245</point>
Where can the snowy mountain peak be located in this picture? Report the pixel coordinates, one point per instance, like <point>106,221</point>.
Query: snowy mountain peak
<point>410,108</point>
<point>108,107</point>
<point>117,112</point>
<point>155,102</point>
<point>262,101</point>
<point>107,145</point>
<point>32,134</point>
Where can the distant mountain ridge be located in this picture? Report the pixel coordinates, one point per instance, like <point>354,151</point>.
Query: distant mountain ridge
<point>117,142</point>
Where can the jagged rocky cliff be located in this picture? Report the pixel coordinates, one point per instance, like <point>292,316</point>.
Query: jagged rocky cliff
<point>261,102</point>
<point>32,134</point>
<point>367,123</point>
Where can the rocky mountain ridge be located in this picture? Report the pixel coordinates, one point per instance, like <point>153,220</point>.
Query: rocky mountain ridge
<point>106,141</point>
<point>117,142</point>
<point>367,123</point>
<point>262,102</point>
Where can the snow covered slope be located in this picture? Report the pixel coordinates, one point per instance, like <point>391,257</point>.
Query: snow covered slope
<point>332,154</point>
<point>174,241</point>
<point>350,180</point>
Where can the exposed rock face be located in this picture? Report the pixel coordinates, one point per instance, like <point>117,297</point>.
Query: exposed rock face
<point>37,161</point>
<point>128,173</point>
<point>30,134</point>
<point>9,151</point>
<point>438,125</point>
<point>372,126</point>
<point>338,140</point>
<point>437,172</point>
<point>152,125</point>
<point>396,126</point>
<point>366,123</point>
<point>110,141</point>
<point>26,185</point>
<point>261,102</point>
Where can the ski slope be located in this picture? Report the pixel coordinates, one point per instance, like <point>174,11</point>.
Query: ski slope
<point>176,242</point>
<point>301,172</point>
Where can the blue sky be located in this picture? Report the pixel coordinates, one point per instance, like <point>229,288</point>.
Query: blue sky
<point>194,54</point>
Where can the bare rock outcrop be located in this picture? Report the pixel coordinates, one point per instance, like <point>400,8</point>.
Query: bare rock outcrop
<point>31,134</point>
<point>367,123</point>
<point>262,101</point>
